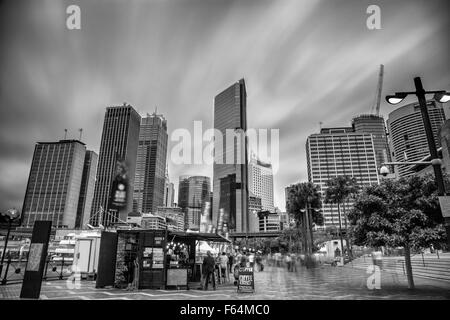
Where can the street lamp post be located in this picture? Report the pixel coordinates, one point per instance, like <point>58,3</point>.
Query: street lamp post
<point>441,96</point>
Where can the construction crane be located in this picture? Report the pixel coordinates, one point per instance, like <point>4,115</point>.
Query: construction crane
<point>376,106</point>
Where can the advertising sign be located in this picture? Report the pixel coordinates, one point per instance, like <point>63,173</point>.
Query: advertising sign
<point>119,188</point>
<point>246,280</point>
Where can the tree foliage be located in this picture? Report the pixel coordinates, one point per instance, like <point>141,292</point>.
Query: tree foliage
<point>398,213</point>
<point>340,188</point>
<point>298,196</point>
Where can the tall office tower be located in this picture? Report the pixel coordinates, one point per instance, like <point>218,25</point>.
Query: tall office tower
<point>231,160</point>
<point>374,124</point>
<point>151,164</point>
<point>87,189</point>
<point>338,152</point>
<point>118,146</point>
<point>53,187</point>
<point>407,133</point>
<point>254,206</point>
<point>193,194</point>
<point>169,191</point>
<point>260,180</point>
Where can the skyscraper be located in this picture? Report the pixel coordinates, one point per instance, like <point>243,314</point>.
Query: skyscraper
<point>231,161</point>
<point>118,145</point>
<point>169,191</point>
<point>86,189</point>
<point>53,187</point>
<point>193,193</point>
<point>407,133</point>
<point>338,152</point>
<point>260,180</point>
<point>151,164</point>
<point>374,124</point>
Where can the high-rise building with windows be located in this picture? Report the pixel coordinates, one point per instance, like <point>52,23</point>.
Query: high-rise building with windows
<point>407,133</point>
<point>260,181</point>
<point>169,191</point>
<point>53,188</point>
<point>231,160</point>
<point>118,145</point>
<point>338,152</point>
<point>193,194</point>
<point>150,176</point>
<point>87,189</point>
<point>375,124</point>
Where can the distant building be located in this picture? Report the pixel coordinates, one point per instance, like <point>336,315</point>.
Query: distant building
<point>153,222</point>
<point>87,189</point>
<point>407,133</point>
<point>174,217</point>
<point>270,223</point>
<point>134,218</point>
<point>260,180</point>
<point>254,206</point>
<point>374,124</point>
<point>230,113</point>
<point>150,181</point>
<point>169,192</point>
<point>338,152</point>
<point>54,182</point>
<point>118,148</point>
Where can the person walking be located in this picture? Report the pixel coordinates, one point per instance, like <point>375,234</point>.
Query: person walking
<point>288,262</point>
<point>209,266</point>
<point>224,266</point>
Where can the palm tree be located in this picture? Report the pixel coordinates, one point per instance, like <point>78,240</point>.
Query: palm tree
<point>339,189</point>
<point>300,196</point>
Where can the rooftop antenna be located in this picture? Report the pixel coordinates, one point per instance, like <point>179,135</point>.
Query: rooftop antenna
<point>320,125</point>
<point>65,134</point>
<point>81,132</point>
<point>156,110</point>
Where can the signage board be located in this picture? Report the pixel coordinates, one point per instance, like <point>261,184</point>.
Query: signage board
<point>246,280</point>
<point>34,270</point>
<point>444,202</point>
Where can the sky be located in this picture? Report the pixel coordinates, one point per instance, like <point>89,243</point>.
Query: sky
<point>303,61</point>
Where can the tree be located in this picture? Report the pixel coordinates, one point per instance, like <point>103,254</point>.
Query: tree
<point>339,189</point>
<point>299,197</point>
<point>399,213</point>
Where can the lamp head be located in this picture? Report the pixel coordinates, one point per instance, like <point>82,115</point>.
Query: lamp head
<point>384,171</point>
<point>396,98</point>
<point>442,97</point>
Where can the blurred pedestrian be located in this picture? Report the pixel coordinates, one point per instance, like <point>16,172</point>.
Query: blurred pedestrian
<point>209,266</point>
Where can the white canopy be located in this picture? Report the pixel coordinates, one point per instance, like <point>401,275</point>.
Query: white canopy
<point>204,247</point>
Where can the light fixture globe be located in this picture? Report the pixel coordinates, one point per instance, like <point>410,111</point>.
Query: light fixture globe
<point>384,171</point>
<point>396,98</point>
<point>442,97</point>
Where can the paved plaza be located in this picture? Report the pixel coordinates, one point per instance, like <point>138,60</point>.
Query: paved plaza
<point>274,283</point>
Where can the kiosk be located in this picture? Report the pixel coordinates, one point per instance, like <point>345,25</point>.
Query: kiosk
<point>154,259</point>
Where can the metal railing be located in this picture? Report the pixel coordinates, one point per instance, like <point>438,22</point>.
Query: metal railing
<point>14,270</point>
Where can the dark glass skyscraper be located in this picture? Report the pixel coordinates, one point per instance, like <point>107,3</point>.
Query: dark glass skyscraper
<point>230,114</point>
<point>119,143</point>
<point>86,189</point>
<point>193,193</point>
<point>150,175</point>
